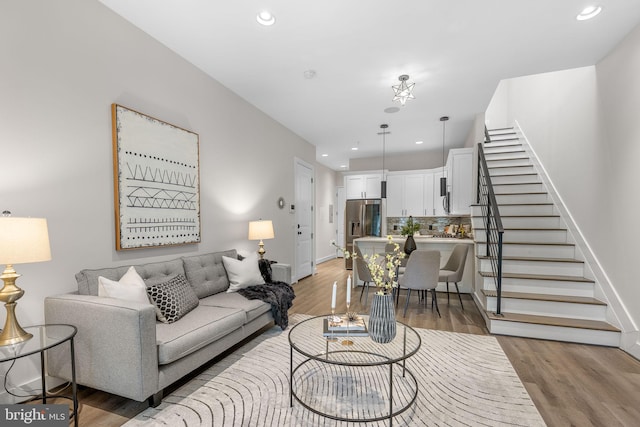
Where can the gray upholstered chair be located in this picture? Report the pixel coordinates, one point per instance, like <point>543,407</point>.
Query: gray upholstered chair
<point>421,274</point>
<point>454,268</point>
<point>363,272</point>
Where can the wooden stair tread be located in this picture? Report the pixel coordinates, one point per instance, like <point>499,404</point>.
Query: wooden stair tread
<point>506,160</point>
<point>519,183</point>
<point>540,259</point>
<point>519,204</point>
<point>517,194</point>
<point>530,243</point>
<point>538,277</point>
<point>522,216</point>
<point>554,321</point>
<point>507,166</point>
<point>524,229</point>
<point>545,297</point>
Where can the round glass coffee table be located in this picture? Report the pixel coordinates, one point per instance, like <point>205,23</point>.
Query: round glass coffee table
<point>349,377</point>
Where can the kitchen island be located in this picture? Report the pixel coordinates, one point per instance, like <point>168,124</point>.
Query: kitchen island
<point>371,245</point>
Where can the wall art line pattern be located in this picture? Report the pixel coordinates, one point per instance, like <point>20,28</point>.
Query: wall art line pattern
<point>156,181</point>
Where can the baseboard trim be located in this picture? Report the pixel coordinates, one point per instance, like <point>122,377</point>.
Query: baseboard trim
<point>32,388</point>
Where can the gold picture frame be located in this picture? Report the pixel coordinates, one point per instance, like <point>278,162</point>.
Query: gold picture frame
<point>156,173</point>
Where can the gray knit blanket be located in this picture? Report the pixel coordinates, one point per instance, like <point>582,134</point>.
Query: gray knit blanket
<point>279,294</point>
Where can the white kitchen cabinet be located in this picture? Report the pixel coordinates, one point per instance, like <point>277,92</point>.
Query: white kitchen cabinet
<point>460,167</point>
<point>365,186</point>
<point>405,195</point>
<point>428,194</point>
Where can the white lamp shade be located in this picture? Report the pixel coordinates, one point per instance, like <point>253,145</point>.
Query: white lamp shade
<point>260,230</point>
<point>24,240</point>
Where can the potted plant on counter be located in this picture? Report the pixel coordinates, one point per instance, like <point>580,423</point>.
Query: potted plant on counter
<point>409,229</point>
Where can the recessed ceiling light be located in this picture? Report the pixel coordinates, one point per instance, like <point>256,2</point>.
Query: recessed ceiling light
<point>343,166</point>
<point>354,148</point>
<point>266,18</point>
<point>391,110</point>
<point>419,142</point>
<point>325,155</point>
<point>588,13</point>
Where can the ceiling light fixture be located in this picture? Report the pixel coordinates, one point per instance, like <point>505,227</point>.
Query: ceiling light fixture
<point>383,182</point>
<point>419,142</point>
<point>325,155</point>
<point>588,13</point>
<point>443,179</point>
<point>403,90</point>
<point>265,18</point>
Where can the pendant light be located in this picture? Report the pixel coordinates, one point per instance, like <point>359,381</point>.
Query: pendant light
<point>383,183</point>
<point>443,179</point>
<point>402,91</point>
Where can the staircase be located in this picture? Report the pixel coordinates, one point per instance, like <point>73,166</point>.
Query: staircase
<point>547,290</point>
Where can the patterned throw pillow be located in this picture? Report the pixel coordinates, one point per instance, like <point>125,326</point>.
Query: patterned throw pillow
<point>173,298</point>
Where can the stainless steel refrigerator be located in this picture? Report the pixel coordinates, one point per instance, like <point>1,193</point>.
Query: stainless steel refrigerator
<point>361,218</point>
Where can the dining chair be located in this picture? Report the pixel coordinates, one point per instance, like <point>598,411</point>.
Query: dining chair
<point>364,273</point>
<point>454,268</point>
<point>421,274</point>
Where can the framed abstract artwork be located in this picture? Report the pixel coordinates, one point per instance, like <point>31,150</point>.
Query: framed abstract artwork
<point>156,181</point>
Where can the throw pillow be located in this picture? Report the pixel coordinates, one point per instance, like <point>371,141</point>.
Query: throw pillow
<point>242,274</point>
<point>130,287</point>
<point>173,298</point>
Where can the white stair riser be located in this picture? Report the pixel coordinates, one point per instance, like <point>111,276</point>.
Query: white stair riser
<point>506,210</point>
<point>557,268</point>
<point>556,333</point>
<point>518,188</point>
<point>511,162</point>
<point>551,287</point>
<point>513,179</point>
<point>549,308</point>
<point>531,221</point>
<point>528,236</point>
<point>522,198</point>
<point>515,148</point>
<point>502,155</point>
<point>511,170</point>
<point>540,251</point>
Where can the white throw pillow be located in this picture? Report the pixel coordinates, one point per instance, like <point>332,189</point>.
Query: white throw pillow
<point>130,287</point>
<point>242,274</point>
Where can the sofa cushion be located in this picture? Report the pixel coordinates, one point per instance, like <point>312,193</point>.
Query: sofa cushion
<point>251,308</point>
<point>206,273</point>
<point>160,271</point>
<point>242,273</point>
<point>130,287</point>
<point>172,299</point>
<point>199,328</point>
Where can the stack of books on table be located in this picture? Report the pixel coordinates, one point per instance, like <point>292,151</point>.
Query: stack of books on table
<point>345,327</point>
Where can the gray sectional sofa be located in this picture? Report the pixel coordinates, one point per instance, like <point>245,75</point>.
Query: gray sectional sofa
<point>122,349</point>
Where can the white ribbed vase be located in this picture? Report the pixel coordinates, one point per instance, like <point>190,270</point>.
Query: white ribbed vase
<point>382,319</point>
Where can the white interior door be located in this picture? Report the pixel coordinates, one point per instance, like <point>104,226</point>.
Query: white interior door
<point>304,219</point>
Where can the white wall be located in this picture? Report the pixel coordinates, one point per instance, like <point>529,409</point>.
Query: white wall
<point>583,125</point>
<point>325,210</point>
<point>64,64</point>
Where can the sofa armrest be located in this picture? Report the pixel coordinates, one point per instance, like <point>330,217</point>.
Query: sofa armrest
<point>115,346</point>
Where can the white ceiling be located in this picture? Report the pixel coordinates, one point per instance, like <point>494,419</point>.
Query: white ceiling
<point>455,51</point>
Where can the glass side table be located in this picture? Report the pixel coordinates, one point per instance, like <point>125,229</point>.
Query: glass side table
<point>44,338</point>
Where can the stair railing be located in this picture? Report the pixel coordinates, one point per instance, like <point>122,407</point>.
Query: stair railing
<point>486,198</point>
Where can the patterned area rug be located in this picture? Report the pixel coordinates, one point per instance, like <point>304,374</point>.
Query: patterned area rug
<point>463,380</point>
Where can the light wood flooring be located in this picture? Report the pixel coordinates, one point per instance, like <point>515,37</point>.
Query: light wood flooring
<point>570,384</point>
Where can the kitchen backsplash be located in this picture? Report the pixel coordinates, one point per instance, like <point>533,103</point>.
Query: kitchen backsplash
<point>428,225</point>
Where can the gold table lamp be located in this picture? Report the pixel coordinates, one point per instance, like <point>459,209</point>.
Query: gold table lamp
<point>259,230</point>
<point>22,240</point>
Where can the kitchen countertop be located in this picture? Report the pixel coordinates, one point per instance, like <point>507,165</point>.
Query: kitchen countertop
<point>418,239</point>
